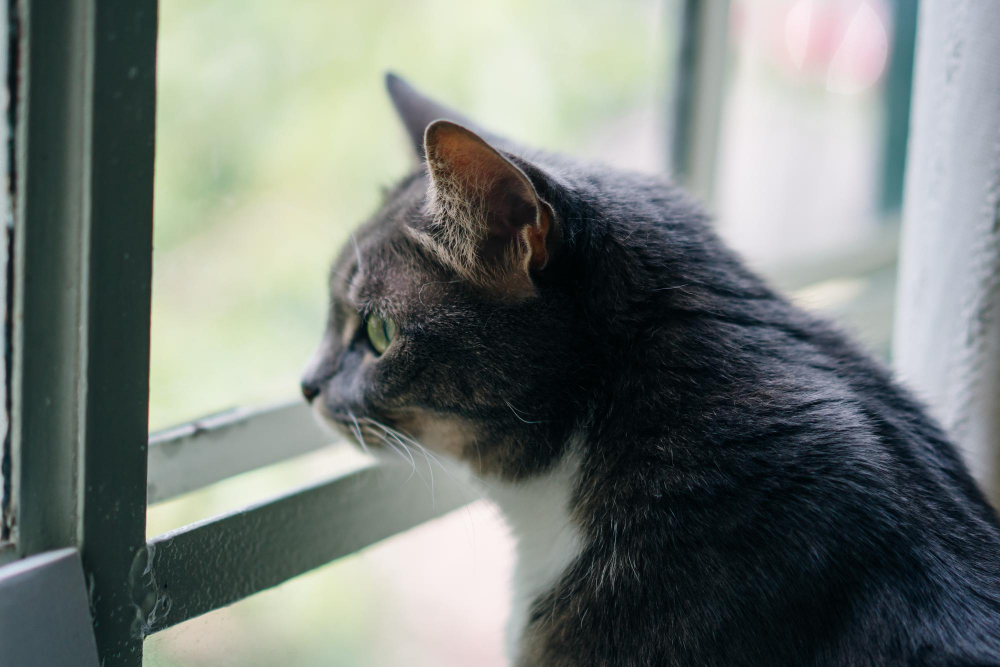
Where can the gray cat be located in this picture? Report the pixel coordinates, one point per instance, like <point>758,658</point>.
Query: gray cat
<point>697,472</point>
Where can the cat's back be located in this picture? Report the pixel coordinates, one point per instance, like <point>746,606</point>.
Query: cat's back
<point>794,498</point>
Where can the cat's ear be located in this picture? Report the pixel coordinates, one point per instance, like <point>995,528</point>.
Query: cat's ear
<point>487,215</point>
<point>417,111</point>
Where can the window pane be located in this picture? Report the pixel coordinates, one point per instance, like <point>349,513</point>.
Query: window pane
<point>274,136</point>
<point>803,117</point>
<point>803,152</point>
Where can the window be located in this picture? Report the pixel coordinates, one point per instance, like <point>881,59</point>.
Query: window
<point>271,135</point>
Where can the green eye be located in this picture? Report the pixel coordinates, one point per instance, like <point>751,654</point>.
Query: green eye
<point>381,331</point>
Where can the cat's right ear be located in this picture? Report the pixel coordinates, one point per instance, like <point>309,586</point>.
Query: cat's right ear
<point>417,111</point>
<point>487,219</point>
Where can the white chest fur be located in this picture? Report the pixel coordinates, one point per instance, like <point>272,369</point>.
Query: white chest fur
<point>547,542</point>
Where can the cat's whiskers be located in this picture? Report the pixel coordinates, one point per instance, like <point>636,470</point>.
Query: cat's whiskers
<point>462,486</point>
<point>404,454</point>
<point>413,462</point>
<point>341,275</point>
<point>517,414</point>
<point>357,252</point>
<point>356,429</point>
<point>396,449</point>
<point>426,452</point>
<point>399,434</point>
<point>489,503</point>
<point>395,435</point>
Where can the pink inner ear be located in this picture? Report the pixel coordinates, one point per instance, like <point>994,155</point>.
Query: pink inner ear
<point>491,201</point>
<point>470,164</point>
<point>460,151</point>
<point>510,211</point>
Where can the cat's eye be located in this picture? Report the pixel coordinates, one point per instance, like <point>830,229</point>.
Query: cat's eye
<point>381,331</point>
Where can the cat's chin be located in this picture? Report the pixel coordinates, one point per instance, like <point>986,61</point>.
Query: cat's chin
<point>329,424</point>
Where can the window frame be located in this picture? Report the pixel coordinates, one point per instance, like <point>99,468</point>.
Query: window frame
<point>82,263</point>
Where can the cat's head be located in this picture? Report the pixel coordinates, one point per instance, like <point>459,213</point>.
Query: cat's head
<point>460,312</point>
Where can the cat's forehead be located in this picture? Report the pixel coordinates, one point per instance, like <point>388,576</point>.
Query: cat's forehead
<point>381,267</point>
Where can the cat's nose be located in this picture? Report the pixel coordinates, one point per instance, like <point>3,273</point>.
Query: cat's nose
<point>310,391</point>
<point>315,374</point>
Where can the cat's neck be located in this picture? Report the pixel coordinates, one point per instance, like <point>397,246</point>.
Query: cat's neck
<point>537,511</point>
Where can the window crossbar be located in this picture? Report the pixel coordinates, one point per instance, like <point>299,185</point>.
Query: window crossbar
<point>210,564</point>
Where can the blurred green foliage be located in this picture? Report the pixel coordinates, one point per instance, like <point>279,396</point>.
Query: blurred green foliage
<point>274,136</point>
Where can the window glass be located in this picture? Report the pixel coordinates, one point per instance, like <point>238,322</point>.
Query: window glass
<point>274,135</point>
<point>804,117</point>
<point>805,153</point>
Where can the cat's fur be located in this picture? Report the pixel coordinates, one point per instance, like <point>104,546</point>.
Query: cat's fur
<point>700,473</point>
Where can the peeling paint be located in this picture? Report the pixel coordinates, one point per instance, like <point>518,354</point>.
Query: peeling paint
<point>150,602</point>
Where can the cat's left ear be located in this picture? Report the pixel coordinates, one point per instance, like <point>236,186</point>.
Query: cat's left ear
<point>488,218</point>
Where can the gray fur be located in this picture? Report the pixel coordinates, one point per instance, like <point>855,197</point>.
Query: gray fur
<point>752,488</point>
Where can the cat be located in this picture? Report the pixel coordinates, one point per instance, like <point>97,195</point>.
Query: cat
<point>697,472</point>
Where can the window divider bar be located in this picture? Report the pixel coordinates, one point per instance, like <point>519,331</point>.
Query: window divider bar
<point>701,29</point>
<point>118,266</point>
<point>208,450</point>
<point>214,563</point>
<point>84,148</point>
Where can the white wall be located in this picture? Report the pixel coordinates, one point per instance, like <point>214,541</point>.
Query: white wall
<point>947,338</point>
